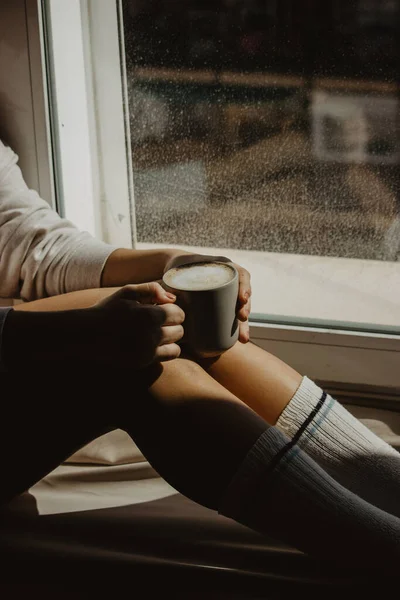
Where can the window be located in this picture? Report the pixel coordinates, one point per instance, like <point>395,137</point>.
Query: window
<point>250,133</point>
<point>266,131</point>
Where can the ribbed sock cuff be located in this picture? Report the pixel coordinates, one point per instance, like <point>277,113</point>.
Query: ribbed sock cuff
<point>312,416</point>
<point>308,406</point>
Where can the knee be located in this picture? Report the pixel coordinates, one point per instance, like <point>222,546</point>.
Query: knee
<point>183,367</point>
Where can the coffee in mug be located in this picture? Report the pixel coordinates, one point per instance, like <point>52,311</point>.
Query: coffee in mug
<point>207,292</point>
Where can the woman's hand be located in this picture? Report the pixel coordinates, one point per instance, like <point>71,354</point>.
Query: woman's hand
<point>132,327</point>
<point>244,297</point>
<point>141,324</point>
<point>243,303</point>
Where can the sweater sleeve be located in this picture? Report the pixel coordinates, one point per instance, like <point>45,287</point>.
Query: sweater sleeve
<point>41,254</point>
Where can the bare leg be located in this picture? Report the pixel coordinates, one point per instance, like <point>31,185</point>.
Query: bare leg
<point>259,379</point>
<point>262,381</point>
<point>205,442</point>
<point>70,301</point>
<point>344,447</point>
<point>193,431</point>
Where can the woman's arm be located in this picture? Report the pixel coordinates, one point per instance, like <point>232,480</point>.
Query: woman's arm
<point>132,326</point>
<point>125,266</point>
<point>43,255</point>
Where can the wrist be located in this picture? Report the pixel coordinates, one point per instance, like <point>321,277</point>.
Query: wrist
<point>172,255</point>
<point>126,266</point>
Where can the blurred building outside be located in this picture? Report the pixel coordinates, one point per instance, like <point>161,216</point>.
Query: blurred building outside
<point>268,127</point>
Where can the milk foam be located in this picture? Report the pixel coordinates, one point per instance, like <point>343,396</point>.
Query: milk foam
<point>199,277</point>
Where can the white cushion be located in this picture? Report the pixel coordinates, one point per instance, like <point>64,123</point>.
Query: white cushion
<point>113,448</point>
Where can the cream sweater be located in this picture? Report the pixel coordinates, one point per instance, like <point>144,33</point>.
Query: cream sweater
<point>41,254</point>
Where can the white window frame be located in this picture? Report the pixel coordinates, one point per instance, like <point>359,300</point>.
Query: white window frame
<point>94,176</point>
<point>93,155</point>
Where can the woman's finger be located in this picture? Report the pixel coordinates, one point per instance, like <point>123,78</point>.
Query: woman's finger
<point>244,285</point>
<point>244,312</point>
<point>168,352</point>
<point>146,293</point>
<point>171,334</point>
<point>171,314</point>
<point>244,332</point>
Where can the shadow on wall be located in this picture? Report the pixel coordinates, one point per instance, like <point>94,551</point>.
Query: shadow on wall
<point>7,120</point>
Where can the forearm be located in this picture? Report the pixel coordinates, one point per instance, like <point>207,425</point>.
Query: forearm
<point>125,266</point>
<point>30,338</point>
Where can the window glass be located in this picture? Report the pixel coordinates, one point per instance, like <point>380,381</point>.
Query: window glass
<point>269,129</point>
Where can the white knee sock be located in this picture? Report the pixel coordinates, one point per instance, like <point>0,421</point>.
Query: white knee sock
<point>343,446</point>
<point>280,491</point>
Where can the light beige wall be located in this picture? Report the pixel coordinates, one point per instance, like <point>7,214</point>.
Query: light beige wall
<point>22,105</point>
<point>16,105</point>
<point>23,109</point>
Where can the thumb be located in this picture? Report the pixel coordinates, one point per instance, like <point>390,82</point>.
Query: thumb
<point>147,293</point>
